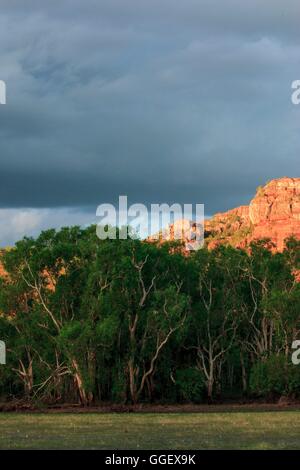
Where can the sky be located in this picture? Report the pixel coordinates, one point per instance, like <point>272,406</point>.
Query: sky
<point>162,101</point>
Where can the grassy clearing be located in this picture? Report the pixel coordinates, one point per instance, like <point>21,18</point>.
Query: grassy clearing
<point>234,430</point>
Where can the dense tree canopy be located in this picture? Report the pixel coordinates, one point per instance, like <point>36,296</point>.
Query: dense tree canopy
<point>86,320</point>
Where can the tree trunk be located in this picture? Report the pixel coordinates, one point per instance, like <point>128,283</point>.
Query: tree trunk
<point>244,375</point>
<point>79,383</point>
<point>92,374</point>
<point>132,382</point>
<point>210,385</point>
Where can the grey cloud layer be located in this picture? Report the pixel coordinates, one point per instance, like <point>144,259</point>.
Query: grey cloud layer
<point>161,100</point>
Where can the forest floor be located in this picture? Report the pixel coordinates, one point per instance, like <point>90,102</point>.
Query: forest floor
<point>203,430</point>
<point>284,404</point>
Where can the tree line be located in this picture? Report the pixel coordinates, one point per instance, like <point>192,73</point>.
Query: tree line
<point>125,321</point>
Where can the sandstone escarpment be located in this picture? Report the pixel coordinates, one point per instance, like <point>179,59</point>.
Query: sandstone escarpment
<point>273,213</point>
<point>2,270</point>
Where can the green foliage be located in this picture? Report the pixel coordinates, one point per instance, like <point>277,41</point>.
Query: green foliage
<point>275,376</point>
<point>190,384</point>
<point>86,320</point>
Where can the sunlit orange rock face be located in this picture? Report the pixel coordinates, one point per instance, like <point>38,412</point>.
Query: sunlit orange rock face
<point>273,213</point>
<point>3,273</point>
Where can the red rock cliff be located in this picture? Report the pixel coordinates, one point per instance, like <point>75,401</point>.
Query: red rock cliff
<point>273,213</point>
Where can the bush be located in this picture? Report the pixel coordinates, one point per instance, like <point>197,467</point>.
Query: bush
<point>190,384</point>
<point>275,376</point>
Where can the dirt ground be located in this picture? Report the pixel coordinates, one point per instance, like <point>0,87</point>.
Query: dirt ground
<point>282,405</point>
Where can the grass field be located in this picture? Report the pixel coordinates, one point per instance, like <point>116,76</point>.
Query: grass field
<point>233,430</point>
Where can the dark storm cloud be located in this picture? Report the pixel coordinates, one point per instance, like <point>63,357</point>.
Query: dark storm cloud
<point>163,101</point>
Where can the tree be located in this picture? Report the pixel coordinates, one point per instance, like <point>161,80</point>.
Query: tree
<point>216,311</point>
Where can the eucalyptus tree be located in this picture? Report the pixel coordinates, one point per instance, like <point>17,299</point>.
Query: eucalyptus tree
<point>40,297</point>
<point>149,307</point>
<point>216,310</point>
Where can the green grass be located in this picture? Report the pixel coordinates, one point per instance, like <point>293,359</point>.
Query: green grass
<point>233,430</point>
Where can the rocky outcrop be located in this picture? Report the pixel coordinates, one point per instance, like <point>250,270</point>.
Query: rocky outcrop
<point>273,213</point>
<point>184,230</point>
<point>2,270</point>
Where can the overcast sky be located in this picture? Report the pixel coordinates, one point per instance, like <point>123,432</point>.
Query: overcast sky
<point>161,100</point>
